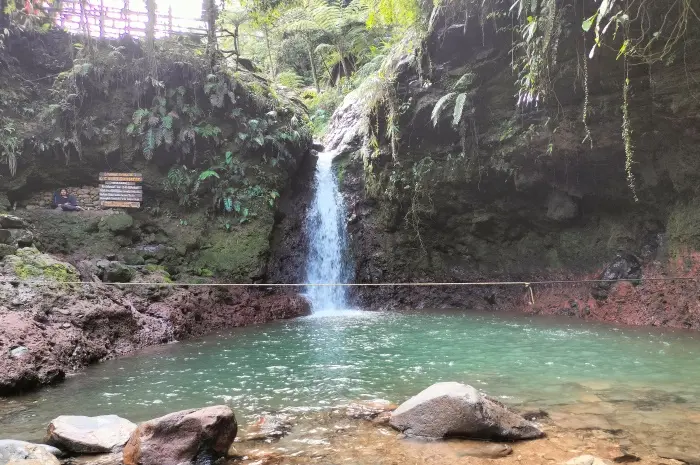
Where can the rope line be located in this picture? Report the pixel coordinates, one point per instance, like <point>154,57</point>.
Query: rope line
<point>526,284</point>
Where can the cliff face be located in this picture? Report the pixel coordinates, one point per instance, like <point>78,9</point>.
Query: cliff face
<point>516,194</point>
<point>219,150</point>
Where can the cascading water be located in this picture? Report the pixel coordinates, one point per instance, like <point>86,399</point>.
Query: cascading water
<point>326,262</point>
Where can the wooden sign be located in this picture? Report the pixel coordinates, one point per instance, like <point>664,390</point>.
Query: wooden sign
<point>121,190</point>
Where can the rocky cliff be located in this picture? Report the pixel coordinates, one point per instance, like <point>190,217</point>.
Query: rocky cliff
<point>513,194</point>
<point>219,149</point>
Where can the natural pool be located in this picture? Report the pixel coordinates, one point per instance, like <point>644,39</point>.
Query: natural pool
<point>327,360</point>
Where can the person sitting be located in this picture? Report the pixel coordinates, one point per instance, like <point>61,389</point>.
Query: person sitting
<point>65,201</point>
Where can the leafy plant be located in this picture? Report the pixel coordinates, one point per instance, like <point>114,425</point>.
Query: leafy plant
<point>10,147</point>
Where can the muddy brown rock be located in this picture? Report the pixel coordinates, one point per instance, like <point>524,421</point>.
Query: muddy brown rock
<point>452,409</point>
<point>89,435</point>
<point>181,437</point>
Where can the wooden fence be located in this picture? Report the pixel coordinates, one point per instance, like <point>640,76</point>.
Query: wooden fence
<point>96,19</point>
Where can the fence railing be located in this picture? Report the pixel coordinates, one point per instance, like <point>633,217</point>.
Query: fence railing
<point>99,20</point>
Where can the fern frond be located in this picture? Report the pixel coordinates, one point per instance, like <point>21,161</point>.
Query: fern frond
<point>460,102</point>
<point>437,109</point>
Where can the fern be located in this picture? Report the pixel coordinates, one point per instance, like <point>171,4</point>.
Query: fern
<point>439,106</point>
<point>208,174</point>
<point>460,102</point>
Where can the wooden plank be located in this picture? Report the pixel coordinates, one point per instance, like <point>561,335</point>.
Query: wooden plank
<point>120,204</point>
<point>129,198</point>
<point>110,187</point>
<point>120,176</point>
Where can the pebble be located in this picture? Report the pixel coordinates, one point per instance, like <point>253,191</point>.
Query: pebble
<point>66,325</point>
<point>18,352</point>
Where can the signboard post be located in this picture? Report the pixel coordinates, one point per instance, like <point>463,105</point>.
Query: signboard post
<point>121,190</point>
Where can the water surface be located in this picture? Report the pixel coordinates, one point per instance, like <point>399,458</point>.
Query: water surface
<point>328,360</point>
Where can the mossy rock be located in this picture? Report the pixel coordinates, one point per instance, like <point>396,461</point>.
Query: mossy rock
<point>238,254</point>
<point>119,273</point>
<point>12,222</point>
<point>132,257</point>
<point>6,250</point>
<point>31,265</point>
<point>683,228</point>
<point>120,223</point>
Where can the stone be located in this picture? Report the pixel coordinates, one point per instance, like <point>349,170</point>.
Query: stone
<point>22,237</point>
<point>269,427</point>
<point>369,410</point>
<point>18,352</point>
<point>12,222</point>
<point>624,266</point>
<point>587,460</point>
<point>488,451</point>
<point>105,459</point>
<point>5,236</point>
<point>6,249</point>
<point>117,224</point>
<point>119,273</point>
<point>182,437</point>
<point>452,409</point>
<point>26,453</point>
<point>689,455</point>
<point>90,435</point>
<point>561,207</point>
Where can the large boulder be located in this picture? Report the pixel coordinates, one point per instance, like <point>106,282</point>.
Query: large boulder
<point>118,273</point>
<point>90,435</point>
<point>20,452</point>
<point>451,409</point>
<point>182,437</point>
<point>120,223</point>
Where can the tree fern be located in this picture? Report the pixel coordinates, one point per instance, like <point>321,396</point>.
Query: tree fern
<point>439,106</point>
<point>460,102</point>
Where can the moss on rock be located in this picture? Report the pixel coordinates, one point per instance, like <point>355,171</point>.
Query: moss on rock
<point>117,224</point>
<point>31,265</point>
<point>683,227</point>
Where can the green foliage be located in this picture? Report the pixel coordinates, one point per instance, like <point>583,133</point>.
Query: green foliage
<point>184,184</point>
<point>10,147</point>
<point>402,13</point>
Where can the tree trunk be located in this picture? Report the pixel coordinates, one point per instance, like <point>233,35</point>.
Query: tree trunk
<point>269,53</point>
<point>313,65</point>
<point>3,21</point>
<point>211,16</point>
<point>151,23</point>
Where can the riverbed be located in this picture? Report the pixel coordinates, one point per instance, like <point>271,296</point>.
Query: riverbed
<point>588,376</point>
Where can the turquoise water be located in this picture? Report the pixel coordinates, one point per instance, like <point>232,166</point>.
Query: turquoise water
<point>324,361</point>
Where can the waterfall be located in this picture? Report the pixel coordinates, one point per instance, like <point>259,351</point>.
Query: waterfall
<point>325,225</point>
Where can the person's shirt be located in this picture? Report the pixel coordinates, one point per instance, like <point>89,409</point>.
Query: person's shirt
<point>59,199</point>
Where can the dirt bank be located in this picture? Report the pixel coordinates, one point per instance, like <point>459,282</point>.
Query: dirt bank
<point>70,327</point>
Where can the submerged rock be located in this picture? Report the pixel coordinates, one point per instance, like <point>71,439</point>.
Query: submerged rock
<point>26,453</point>
<point>587,460</point>
<point>369,410</point>
<point>269,428</point>
<point>452,409</point>
<point>488,451</point>
<point>181,437</point>
<point>90,435</point>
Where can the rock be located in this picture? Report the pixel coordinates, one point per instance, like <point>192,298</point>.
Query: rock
<point>269,427</point>
<point>90,435</point>
<point>535,415</point>
<point>178,438</point>
<point>22,237</point>
<point>561,207</point>
<point>18,352</point>
<point>6,249</point>
<point>382,419</point>
<point>452,409</point>
<point>624,266</point>
<point>5,236</point>
<point>29,264</point>
<point>117,224</point>
<point>12,222</point>
<point>369,410</point>
<point>106,459</point>
<point>26,453</point>
<point>488,451</point>
<point>689,456</point>
<point>587,460</point>
<point>119,273</point>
